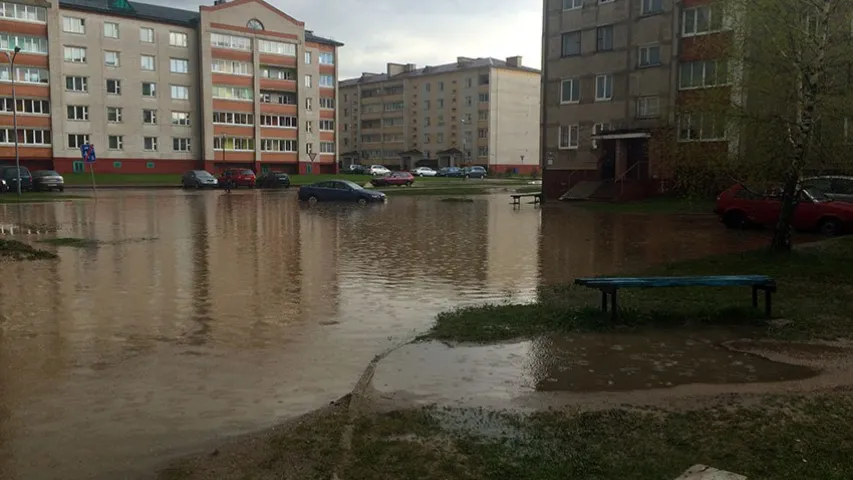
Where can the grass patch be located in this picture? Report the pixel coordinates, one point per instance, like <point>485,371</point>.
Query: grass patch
<point>661,205</point>
<point>129,179</point>
<point>18,251</point>
<point>37,197</point>
<point>71,242</point>
<point>814,283</point>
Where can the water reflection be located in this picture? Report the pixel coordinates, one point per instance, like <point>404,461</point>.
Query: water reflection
<point>249,308</point>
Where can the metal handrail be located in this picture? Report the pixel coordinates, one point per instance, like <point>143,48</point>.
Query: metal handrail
<point>621,179</point>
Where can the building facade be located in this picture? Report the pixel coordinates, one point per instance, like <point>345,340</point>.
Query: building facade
<point>614,73</point>
<point>479,111</point>
<point>163,90</point>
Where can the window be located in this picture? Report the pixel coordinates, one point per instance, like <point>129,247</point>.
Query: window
<point>277,48</point>
<point>78,112</point>
<point>393,106</point>
<point>232,42</point>
<point>110,30</point>
<point>255,24</point>
<point>28,13</point>
<point>307,58</point>
<point>77,84</point>
<point>569,135</point>
<point>232,118</point>
<point>28,43</point>
<point>700,74</point>
<point>114,86</point>
<point>572,4</point>
<point>147,62</point>
<point>482,151</point>
<point>440,103</point>
<point>440,86</point>
<point>570,44</point>
<point>604,38</point>
<point>181,145</point>
<point>327,103</point>
<point>327,58</point>
<point>702,20</point>
<point>276,73</point>
<point>25,136</point>
<point>279,121</point>
<point>648,56</point>
<point>386,122</point>
<point>327,147</point>
<point>570,90</point>
<point>77,140</point>
<point>111,59</point>
<point>179,65</point>
<point>149,144</point>
<point>484,97</point>
<point>483,133</point>
<point>149,117</point>
<point>232,93</point>
<point>115,142</point>
<point>232,67</point>
<point>603,87</point>
<point>648,107</point>
<point>428,105</point>
<point>149,89</point>
<point>73,25</point>
<point>309,126</point>
<point>483,115</point>
<point>309,148</point>
<point>327,81</point>
<point>75,54</point>
<point>181,119</point>
<point>469,82</point>
<point>26,105</point>
<point>178,39</point>
<point>276,145</point>
<point>701,127</point>
<point>182,92</point>
<point>25,74</point>
<point>598,129</point>
<point>309,103</point>
<point>648,7</point>
<point>327,125</point>
<point>234,143</point>
<point>146,35</point>
<point>439,137</point>
<point>308,81</point>
<point>114,114</point>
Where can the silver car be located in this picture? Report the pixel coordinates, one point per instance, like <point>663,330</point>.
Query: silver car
<point>47,180</point>
<point>836,187</point>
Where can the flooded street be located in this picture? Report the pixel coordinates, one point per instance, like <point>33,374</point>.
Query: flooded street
<point>204,315</point>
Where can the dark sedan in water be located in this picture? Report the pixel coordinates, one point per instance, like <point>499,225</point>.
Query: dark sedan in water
<point>47,180</point>
<point>11,174</point>
<point>199,179</point>
<point>273,180</point>
<point>339,191</point>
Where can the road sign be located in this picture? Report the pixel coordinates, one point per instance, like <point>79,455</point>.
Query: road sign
<point>312,156</point>
<point>87,151</point>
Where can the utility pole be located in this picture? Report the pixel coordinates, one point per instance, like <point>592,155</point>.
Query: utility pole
<point>12,74</point>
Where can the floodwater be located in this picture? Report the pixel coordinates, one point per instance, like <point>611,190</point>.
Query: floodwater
<point>205,315</point>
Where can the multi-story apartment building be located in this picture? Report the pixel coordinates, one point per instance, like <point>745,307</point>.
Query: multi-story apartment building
<point>475,111</point>
<point>160,89</point>
<point>614,72</point>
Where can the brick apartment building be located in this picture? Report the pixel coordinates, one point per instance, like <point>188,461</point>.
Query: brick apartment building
<point>163,90</point>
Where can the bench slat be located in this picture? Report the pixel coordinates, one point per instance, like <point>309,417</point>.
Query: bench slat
<point>654,282</point>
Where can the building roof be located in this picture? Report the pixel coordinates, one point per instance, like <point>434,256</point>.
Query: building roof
<point>158,13</point>
<point>469,64</point>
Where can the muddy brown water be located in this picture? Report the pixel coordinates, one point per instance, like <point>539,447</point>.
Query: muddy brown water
<point>239,311</point>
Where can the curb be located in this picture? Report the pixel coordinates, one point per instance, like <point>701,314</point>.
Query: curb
<point>121,187</point>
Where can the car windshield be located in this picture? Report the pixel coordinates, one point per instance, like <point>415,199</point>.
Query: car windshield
<point>202,174</point>
<point>352,185</point>
<point>10,172</point>
<point>46,173</point>
<point>246,172</point>
<point>818,195</point>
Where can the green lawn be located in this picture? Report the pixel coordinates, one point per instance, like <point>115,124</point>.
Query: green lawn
<point>122,179</point>
<point>814,284</point>
<point>37,197</point>
<point>663,205</point>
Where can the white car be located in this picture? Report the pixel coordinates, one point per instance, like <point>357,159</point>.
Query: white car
<point>424,172</point>
<point>378,170</point>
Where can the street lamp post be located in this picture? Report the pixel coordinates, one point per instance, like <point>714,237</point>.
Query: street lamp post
<point>12,75</point>
<point>466,122</point>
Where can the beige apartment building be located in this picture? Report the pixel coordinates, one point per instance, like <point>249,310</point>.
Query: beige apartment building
<point>164,90</point>
<point>475,111</point>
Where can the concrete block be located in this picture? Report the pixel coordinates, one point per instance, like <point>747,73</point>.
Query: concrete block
<point>704,472</point>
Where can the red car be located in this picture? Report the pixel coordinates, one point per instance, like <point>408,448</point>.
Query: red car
<point>240,177</point>
<point>396,178</point>
<point>739,207</point>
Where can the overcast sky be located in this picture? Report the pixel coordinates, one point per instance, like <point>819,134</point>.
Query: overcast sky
<point>412,31</point>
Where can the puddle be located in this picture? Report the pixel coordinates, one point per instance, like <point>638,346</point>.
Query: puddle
<point>574,363</point>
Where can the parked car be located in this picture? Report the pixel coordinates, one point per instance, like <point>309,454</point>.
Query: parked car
<point>836,187</point>
<point>396,178</point>
<point>47,180</point>
<point>274,180</point>
<point>450,172</point>
<point>424,172</point>
<point>10,175</point>
<point>355,169</point>
<point>240,177</point>
<point>474,172</point>
<point>738,207</point>
<point>3,187</point>
<point>378,170</point>
<point>199,179</point>
<point>339,191</point>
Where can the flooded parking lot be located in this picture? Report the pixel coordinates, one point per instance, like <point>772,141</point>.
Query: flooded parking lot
<point>204,315</point>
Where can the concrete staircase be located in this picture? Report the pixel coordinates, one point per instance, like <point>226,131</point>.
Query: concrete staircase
<point>581,191</point>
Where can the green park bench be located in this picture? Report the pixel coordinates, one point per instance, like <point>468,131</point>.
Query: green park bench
<point>609,286</point>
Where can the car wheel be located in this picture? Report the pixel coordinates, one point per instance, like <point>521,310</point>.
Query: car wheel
<point>313,200</point>
<point>61,189</point>
<point>409,184</point>
<point>735,220</point>
<point>830,227</point>
<point>362,201</point>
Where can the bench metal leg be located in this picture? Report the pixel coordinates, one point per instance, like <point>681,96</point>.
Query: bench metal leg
<point>768,302</point>
<point>603,301</point>
<point>613,311</point>
<point>755,297</point>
